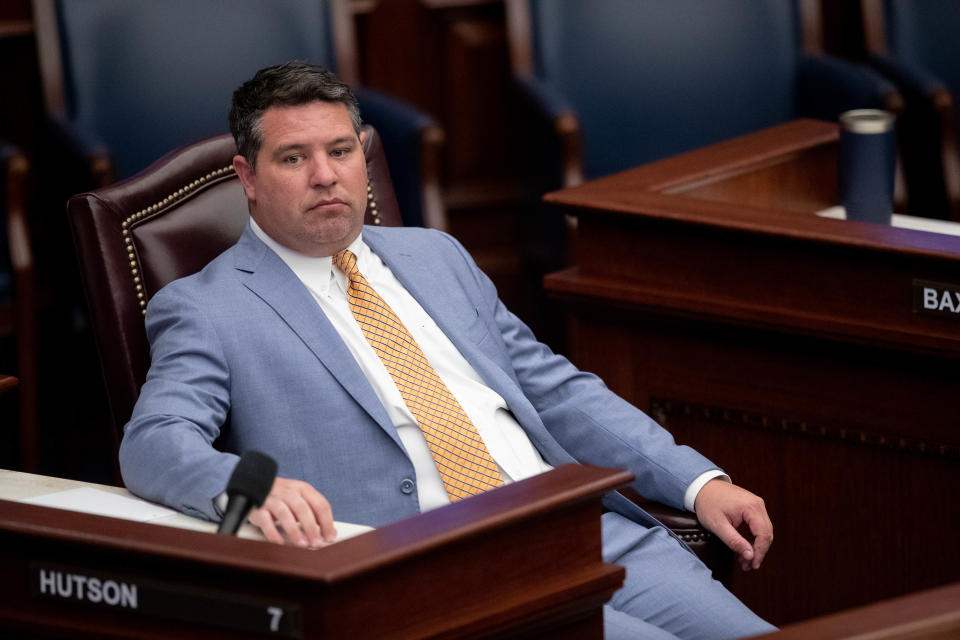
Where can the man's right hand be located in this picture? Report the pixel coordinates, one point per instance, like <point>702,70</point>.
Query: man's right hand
<point>300,510</point>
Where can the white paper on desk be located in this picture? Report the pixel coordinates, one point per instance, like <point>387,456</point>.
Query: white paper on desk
<point>348,530</point>
<point>917,223</point>
<point>101,503</point>
<point>105,503</point>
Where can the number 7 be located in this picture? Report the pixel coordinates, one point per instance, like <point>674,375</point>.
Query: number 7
<point>275,614</point>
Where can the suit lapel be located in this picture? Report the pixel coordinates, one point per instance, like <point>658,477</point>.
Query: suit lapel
<point>272,281</point>
<point>431,290</point>
<point>422,284</point>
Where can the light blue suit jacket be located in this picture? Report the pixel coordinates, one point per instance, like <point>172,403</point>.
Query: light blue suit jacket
<point>243,343</point>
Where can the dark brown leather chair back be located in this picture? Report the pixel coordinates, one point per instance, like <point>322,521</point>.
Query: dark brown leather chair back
<point>18,295</point>
<point>169,221</point>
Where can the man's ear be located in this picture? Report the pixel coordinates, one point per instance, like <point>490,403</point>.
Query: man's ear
<point>245,173</point>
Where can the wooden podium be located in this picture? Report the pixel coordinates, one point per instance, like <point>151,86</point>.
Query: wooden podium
<point>522,561</point>
<point>816,360</point>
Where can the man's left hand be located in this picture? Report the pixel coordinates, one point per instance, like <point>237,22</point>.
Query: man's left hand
<point>721,507</point>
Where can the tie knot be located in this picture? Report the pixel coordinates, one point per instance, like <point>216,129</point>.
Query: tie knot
<point>346,261</point>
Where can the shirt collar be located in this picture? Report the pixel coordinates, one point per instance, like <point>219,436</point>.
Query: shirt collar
<point>316,273</point>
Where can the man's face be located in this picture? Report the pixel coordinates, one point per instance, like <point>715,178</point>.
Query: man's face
<point>309,189</point>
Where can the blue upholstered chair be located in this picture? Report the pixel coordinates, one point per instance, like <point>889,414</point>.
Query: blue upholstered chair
<point>129,80</point>
<point>915,43</point>
<point>631,81</point>
<point>17,295</point>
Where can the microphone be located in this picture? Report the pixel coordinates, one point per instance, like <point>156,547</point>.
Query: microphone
<point>248,487</point>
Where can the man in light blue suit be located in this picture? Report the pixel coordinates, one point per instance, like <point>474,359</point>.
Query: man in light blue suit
<point>261,350</point>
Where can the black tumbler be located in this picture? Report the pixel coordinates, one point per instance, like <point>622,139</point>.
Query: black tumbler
<point>868,153</point>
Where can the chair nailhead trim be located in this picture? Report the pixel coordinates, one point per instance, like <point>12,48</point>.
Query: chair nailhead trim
<point>372,205</point>
<point>128,223</point>
<point>695,536</point>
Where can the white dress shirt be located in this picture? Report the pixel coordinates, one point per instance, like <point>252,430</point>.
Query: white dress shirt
<point>509,446</point>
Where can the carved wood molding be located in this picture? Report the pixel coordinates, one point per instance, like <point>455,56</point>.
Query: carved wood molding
<point>664,409</point>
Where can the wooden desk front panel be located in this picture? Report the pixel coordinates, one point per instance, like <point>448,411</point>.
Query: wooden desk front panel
<point>767,278</point>
<point>801,369</point>
<point>841,442</point>
<point>494,566</point>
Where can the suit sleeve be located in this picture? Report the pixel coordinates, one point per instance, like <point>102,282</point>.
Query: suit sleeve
<point>167,452</point>
<point>588,420</point>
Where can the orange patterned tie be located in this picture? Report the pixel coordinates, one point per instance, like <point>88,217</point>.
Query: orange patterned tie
<point>465,465</point>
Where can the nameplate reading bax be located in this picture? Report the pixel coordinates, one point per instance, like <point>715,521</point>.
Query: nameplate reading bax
<point>936,298</point>
<point>181,602</point>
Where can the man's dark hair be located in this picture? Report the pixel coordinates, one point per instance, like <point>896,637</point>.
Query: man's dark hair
<point>286,85</point>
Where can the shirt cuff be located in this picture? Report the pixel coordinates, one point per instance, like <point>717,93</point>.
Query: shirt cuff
<point>221,500</point>
<point>690,497</point>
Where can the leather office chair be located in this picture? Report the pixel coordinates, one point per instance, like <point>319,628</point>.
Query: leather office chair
<point>127,81</point>
<point>169,221</point>
<point>624,82</point>
<point>18,295</point>
<point>915,45</point>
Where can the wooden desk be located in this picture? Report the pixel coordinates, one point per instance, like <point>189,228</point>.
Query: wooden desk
<point>786,347</point>
<point>929,615</point>
<point>7,382</point>
<point>523,560</point>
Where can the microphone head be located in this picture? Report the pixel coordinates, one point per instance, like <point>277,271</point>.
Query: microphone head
<point>253,477</point>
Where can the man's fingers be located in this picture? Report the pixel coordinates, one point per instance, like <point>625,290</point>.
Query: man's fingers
<point>278,515</point>
<point>732,538</point>
<point>290,516</point>
<point>755,515</point>
<point>762,529</point>
<point>264,520</point>
<point>315,517</point>
<point>722,507</point>
<point>299,510</point>
<point>324,517</point>
<point>303,527</point>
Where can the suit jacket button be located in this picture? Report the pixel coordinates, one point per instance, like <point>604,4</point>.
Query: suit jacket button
<point>406,485</point>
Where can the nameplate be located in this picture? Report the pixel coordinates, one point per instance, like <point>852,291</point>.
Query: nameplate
<point>936,298</point>
<point>170,600</point>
